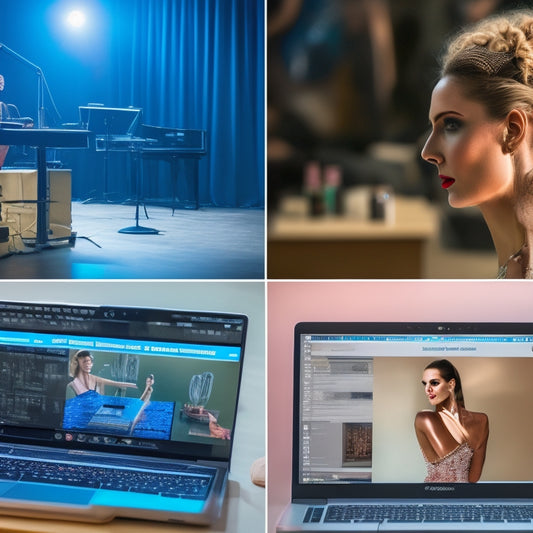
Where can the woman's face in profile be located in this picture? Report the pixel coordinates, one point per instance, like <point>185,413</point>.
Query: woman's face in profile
<point>466,146</point>
<point>437,389</point>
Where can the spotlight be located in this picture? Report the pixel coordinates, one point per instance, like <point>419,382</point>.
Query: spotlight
<point>76,19</point>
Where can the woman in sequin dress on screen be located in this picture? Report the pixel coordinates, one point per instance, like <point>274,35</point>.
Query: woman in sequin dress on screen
<point>453,440</point>
<point>481,115</point>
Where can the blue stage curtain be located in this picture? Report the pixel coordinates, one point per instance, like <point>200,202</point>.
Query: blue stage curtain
<point>199,64</point>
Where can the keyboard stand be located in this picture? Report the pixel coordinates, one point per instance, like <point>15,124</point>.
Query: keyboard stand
<point>138,229</point>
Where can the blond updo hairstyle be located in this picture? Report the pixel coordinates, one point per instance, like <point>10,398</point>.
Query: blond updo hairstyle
<point>74,367</point>
<point>493,61</point>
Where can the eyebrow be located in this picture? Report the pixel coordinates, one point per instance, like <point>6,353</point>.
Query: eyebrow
<point>443,113</point>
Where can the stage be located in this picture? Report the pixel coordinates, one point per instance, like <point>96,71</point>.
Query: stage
<point>209,243</point>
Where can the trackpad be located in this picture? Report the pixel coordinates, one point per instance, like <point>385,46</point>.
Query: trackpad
<point>49,493</point>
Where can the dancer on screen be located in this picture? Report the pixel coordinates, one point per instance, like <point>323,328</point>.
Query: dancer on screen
<point>81,365</point>
<point>453,440</point>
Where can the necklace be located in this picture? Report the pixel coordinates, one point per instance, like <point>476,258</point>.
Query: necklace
<point>502,270</point>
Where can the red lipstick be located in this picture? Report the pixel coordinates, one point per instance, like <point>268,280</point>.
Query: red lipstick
<point>446,181</point>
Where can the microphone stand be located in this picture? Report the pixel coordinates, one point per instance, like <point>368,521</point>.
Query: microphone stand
<point>42,174</point>
<point>41,85</point>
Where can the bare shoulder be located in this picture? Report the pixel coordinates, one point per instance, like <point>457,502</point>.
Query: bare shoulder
<point>480,418</point>
<point>476,420</point>
<point>425,418</point>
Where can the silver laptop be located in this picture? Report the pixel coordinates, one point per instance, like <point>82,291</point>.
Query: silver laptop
<point>361,399</point>
<point>117,411</point>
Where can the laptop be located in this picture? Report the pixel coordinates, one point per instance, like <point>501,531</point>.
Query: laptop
<point>357,462</point>
<point>117,411</point>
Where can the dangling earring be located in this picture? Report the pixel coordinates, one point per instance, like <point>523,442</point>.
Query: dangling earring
<point>453,408</point>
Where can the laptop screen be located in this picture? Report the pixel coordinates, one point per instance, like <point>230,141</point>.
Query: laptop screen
<point>150,381</point>
<point>362,398</point>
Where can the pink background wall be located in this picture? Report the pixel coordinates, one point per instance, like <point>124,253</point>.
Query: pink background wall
<point>292,302</point>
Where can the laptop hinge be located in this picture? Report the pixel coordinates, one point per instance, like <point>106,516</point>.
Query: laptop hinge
<point>207,462</point>
<point>311,502</point>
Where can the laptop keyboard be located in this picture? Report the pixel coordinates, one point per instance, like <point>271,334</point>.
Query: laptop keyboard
<point>420,513</point>
<point>194,484</point>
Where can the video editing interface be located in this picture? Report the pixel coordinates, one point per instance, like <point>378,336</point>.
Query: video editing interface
<point>359,395</point>
<point>114,375</point>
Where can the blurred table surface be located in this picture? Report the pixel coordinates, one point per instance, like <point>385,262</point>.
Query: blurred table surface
<point>345,247</point>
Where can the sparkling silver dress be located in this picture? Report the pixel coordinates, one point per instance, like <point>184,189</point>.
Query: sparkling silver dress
<point>452,468</point>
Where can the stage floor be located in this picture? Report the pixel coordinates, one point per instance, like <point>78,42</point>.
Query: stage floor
<point>210,243</point>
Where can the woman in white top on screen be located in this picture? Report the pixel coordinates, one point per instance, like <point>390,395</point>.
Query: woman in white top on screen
<point>81,365</point>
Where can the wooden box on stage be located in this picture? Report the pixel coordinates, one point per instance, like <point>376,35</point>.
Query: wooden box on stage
<point>18,193</point>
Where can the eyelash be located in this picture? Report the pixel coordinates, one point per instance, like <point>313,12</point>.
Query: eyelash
<point>451,124</point>
<point>433,383</point>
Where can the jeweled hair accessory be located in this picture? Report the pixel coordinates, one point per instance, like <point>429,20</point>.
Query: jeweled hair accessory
<point>481,59</point>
